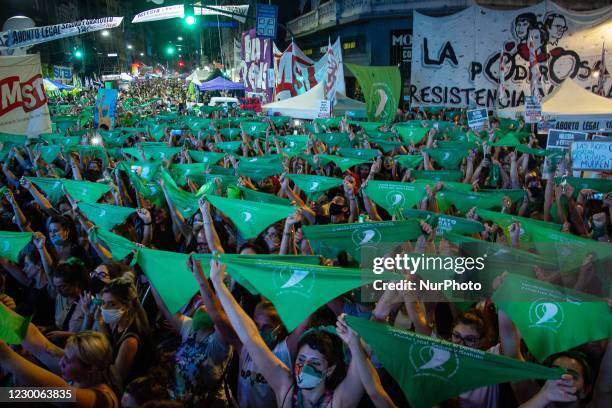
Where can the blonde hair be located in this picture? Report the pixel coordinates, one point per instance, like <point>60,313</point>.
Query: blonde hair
<point>93,350</point>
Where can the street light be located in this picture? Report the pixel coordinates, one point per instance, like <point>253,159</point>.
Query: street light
<point>105,33</point>
<point>169,50</point>
<point>188,13</point>
<point>78,54</point>
<point>179,38</point>
<point>129,47</point>
<point>142,54</point>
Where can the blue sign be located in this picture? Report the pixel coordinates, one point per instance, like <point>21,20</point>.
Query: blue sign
<point>106,104</point>
<point>477,118</point>
<point>266,20</point>
<point>221,24</point>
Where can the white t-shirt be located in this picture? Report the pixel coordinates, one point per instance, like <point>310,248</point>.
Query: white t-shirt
<point>253,389</point>
<point>484,397</point>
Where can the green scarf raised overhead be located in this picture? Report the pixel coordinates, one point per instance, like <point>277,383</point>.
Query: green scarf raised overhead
<point>505,220</point>
<point>149,190</point>
<point>328,122</point>
<point>336,139</point>
<point>329,240</point>
<point>600,185</point>
<point>409,161</point>
<point>119,246</point>
<point>344,163</point>
<point>438,175</point>
<point>258,196</point>
<point>552,318</point>
<point>259,171</point>
<point>392,195</point>
<point>411,134</point>
<point>464,201</point>
<point>11,244</point>
<point>48,153</point>
<point>250,217</point>
<point>104,215</point>
<point>447,158</point>
<point>206,157</point>
<point>446,223</point>
<point>430,370</point>
<point>367,154</point>
<point>181,171</point>
<point>229,147</point>
<point>312,185</point>
<point>185,202</point>
<point>51,188</point>
<point>254,128</point>
<point>13,327</point>
<point>297,290</point>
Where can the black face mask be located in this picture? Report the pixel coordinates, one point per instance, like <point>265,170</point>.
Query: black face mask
<point>335,209</point>
<point>96,285</point>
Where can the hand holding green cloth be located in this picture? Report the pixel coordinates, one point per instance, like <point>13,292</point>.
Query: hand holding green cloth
<point>148,170</point>
<point>258,196</point>
<point>314,185</point>
<point>438,175</point>
<point>119,246</point>
<point>328,122</point>
<point>230,133</point>
<point>331,239</point>
<point>161,153</point>
<point>185,202</point>
<point>386,145</point>
<point>446,223</point>
<point>600,185</point>
<point>12,243</point>
<point>254,128</point>
<point>259,170</point>
<point>181,171</point>
<point>509,140</point>
<point>149,190</point>
<point>158,132</point>
<point>297,290</point>
<point>447,158</point>
<point>551,318</point>
<point>13,327</point>
<point>464,201</point>
<point>280,120</point>
<point>48,153</point>
<point>410,134</point>
<point>392,195</point>
<point>336,139</point>
<point>344,163</point>
<point>250,217</point>
<point>430,370</point>
<point>229,147</point>
<point>206,157</point>
<point>51,188</point>
<point>85,190</point>
<point>104,215</point>
<point>367,154</point>
<point>409,161</point>
<point>295,141</point>
<point>505,220</point>
<point>368,126</point>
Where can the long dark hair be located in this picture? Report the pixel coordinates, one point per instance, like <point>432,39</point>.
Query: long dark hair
<point>330,346</point>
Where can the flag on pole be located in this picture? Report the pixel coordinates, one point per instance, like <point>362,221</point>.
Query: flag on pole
<point>330,81</point>
<point>603,72</point>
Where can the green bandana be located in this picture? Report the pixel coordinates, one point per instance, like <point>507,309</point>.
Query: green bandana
<point>505,220</point>
<point>252,195</point>
<point>254,128</point>
<point>344,163</point>
<point>431,370</point>
<point>13,328</point>
<point>552,318</point>
<point>259,170</point>
<point>367,154</point>
<point>229,147</point>
<point>447,158</point>
<point>201,320</point>
<point>206,157</point>
<point>438,175</point>
<point>250,217</point>
<point>119,246</point>
<point>410,134</point>
<point>446,223</point>
<point>393,195</point>
<point>334,139</point>
<point>48,153</point>
<point>11,244</point>
<point>185,202</point>
<point>104,215</point>
<point>180,172</point>
<point>313,186</point>
<point>230,133</point>
<point>328,122</point>
<point>331,239</point>
<point>280,120</point>
<point>409,161</point>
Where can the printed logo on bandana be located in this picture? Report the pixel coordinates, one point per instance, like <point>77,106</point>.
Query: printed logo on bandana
<point>546,315</point>
<point>246,216</point>
<point>382,102</point>
<point>433,361</point>
<point>102,213</point>
<point>366,237</point>
<point>446,156</point>
<point>6,247</point>
<point>313,186</point>
<point>395,199</point>
<point>295,281</point>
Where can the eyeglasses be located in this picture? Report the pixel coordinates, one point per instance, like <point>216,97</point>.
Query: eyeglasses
<point>466,341</point>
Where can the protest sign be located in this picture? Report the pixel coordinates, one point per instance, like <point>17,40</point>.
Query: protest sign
<point>477,118</point>
<point>256,57</point>
<point>560,140</point>
<point>23,102</point>
<point>533,109</point>
<point>106,104</point>
<point>62,73</point>
<point>38,35</point>
<point>324,109</point>
<point>592,155</point>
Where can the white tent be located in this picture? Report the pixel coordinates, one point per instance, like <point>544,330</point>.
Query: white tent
<point>571,107</point>
<point>306,105</point>
<point>198,76</point>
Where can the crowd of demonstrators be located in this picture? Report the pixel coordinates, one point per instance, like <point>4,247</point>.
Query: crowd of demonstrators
<point>99,323</point>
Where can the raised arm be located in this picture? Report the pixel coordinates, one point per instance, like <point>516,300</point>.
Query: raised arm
<point>277,374</point>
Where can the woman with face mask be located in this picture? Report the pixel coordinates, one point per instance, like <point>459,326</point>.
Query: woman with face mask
<point>62,242</point>
<point>83,365</point>
<point>127,326</point>
<point>315,380</point>
<point>202,359</point>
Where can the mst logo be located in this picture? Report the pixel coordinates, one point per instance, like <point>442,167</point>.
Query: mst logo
<point>433,361</point>
<point>29,95</point>
<point>546,315</point>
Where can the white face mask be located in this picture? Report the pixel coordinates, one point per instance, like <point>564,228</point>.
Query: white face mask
<point>112,316</point>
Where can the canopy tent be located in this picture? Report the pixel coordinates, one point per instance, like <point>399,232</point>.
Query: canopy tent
<point>221,84</point>
<point>216,73</point>
<point>126,77</point>
<point>51,85</point>
<point>306,105</point>
<point>198,76</point>
<point>570,106</point>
